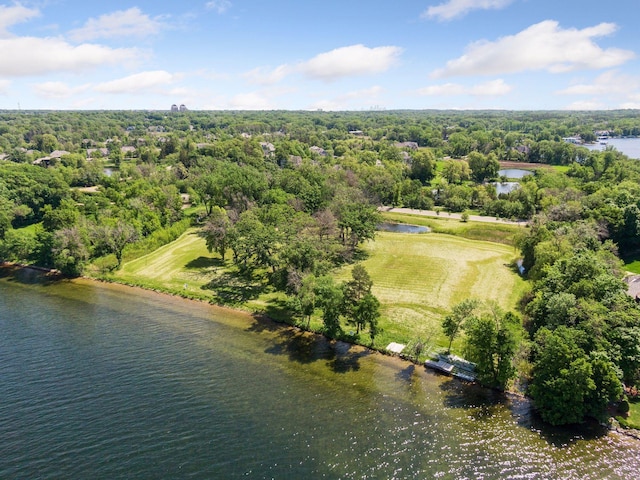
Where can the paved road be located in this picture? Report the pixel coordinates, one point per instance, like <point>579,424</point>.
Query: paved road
<point>433,213</point>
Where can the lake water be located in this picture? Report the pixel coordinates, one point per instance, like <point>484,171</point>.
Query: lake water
<point>402,228</point>
<point>629,146</point>
<point>514,173</point>
<point>108,382</point>
<point>505,187</point>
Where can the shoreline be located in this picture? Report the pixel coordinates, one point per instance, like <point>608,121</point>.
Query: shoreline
<point>55,275</point>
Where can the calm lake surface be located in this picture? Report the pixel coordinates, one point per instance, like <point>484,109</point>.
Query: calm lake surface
<point>514,173</point>
<point>629,146</point>
<point>402,228</point>
<point>108,382</point>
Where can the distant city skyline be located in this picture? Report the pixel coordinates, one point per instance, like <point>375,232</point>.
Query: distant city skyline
<point>293,55</point>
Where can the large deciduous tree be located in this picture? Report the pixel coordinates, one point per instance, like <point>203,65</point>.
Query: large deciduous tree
<point>216,231</point>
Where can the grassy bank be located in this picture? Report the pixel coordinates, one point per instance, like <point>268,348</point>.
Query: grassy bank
<point>633,420</point>
<point>490,232</point>
<point>417,278</point>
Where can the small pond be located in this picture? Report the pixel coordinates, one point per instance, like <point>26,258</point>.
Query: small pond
<point>514,172</point>
<point>505,187</point>
<point>402,228</point>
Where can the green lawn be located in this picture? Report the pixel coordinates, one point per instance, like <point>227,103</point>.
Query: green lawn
<point>493,232</point>
<point>417,278</point>
<point>633,267</point>
<point>633,420</point>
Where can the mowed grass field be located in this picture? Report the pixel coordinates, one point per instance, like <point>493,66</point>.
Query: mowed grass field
<point>182,265</point>
<point>417,278</point>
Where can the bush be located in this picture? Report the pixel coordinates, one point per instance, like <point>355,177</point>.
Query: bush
<point>156,240</point>
<point>105,264</point>
<point>623,407</point>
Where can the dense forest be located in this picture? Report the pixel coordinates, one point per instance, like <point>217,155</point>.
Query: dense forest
<point>295,194</point>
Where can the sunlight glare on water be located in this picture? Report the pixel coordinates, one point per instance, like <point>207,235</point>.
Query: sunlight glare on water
<point>102,381</point>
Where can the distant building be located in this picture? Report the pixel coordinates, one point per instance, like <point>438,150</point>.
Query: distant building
<point>174,108</point>
<point>183,108</point>
<point>318,151</point>
<point>268,149</point>
<point>409,145</point>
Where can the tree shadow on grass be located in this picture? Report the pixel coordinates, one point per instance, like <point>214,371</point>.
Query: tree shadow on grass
<point>205,262</point>
<point>278,309</point>
<point>234,290</point>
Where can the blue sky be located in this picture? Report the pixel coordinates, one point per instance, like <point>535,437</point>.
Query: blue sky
<point>331,55</point>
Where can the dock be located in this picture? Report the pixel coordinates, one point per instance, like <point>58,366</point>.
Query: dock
<point>453,365</point>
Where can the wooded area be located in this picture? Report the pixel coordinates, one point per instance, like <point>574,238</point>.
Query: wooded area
<point>292,196</point>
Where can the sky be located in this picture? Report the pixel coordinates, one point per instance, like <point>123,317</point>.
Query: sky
<point>308,55</point>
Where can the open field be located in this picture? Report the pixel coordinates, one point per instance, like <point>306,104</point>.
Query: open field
<point>498,232</point>
<point>185,267</point>
<point>417,278</point>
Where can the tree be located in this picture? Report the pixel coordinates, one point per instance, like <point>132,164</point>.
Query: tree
<point>568,384</point>
<point>456,171</point>
<point>483,166</point>
<point>6,215</point>
<point>209,189</point>
<point>366,314</point>
<point>355,292</point>
<point>423,165</point>
<point>330,299</point>
<point>491,344</point>
<point>70,251</point>
<point>308,297</point>
<point>453,323</point>
<point>216,231</point>
<point>113,239</point>
<point>65,216</point>
<point>357,222</point>
<point>359,285</point>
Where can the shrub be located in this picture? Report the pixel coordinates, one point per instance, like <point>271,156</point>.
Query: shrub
<point>623,407</point>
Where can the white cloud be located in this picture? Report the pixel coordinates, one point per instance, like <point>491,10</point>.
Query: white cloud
<point>251,101</point>
<point>371,93</point>
<point>493,88</point>
<point>264,76</point>
<point>349,61</point>
<point>138,82</point>
<point>609,83</point>
<point>543,46</point>
<point>123,23</point>
<point>58,90</point>
<point>586,105</point>
<point>23,56</point>
<point>446,89</point>
<point>350,100</point>
<point>12,15</point>
<point>219,6</point>
<point>341,62</point>
<point>458,8</point>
